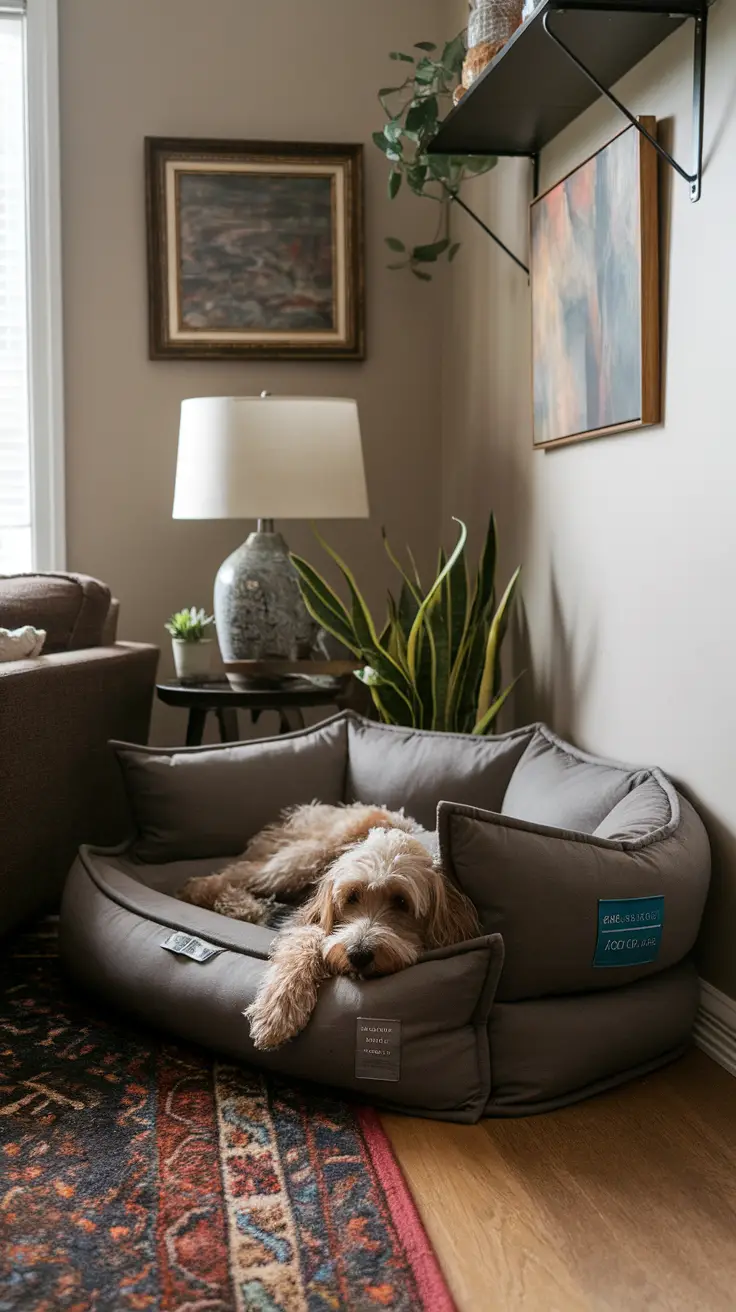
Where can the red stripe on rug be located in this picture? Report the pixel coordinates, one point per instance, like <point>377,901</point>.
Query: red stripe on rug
<point>431,1283</point>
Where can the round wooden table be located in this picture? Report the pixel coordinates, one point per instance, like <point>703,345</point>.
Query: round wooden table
<point>288,699</point>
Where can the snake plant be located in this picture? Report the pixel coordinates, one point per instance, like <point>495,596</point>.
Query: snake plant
<point>436,662</point>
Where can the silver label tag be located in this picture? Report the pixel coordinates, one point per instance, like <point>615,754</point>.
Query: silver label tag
<point>377,1049</point>
<point>185,945</point>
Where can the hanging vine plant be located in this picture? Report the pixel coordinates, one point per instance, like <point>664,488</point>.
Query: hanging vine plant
<point>414,111</point>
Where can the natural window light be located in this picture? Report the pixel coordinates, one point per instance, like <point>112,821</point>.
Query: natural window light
<point>16,548</point>
<point>31,388</point>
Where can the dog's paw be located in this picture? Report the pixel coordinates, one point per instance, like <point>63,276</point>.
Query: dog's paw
<point>271,1027</point>
<point>201,891</point>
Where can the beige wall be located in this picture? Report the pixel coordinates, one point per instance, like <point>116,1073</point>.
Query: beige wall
<point>283,70</point>
<point>628,543</point>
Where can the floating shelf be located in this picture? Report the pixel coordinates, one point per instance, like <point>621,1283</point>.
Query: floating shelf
<point>532,89</point>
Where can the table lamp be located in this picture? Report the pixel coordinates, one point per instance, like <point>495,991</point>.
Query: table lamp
<point>267,457</point>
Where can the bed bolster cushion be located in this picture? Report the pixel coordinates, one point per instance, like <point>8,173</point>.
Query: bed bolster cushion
<point>417,769</point>
<point>208,801</point>
<point>540,888</point>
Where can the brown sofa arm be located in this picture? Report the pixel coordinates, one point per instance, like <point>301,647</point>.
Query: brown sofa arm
<point>59,781</point>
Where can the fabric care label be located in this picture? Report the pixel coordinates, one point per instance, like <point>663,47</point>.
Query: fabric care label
<point>184,945</point>
<point>377,1049</point>
<point>629,931</point>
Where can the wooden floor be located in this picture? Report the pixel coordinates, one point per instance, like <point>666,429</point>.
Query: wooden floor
<point>623,1203</point>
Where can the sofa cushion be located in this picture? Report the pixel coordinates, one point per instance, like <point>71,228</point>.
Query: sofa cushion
<point>414,769</point>
<point>553,785</point>
<point>72,608</point>
<point>208,801</point>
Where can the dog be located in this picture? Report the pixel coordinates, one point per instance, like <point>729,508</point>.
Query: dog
<point>355,891</point>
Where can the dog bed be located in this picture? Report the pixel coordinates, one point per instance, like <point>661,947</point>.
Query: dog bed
<point>589,878</point>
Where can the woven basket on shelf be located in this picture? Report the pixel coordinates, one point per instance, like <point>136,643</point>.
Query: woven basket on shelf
<point>490,25</point>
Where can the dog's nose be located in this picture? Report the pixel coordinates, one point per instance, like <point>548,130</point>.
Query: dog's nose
<point>360,958</point>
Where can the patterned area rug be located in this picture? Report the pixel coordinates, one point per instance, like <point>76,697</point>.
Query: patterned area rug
<point>141,1174</point>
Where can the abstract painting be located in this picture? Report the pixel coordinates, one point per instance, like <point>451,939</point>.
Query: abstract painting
<point>595,295</point>
<point>254,249</point>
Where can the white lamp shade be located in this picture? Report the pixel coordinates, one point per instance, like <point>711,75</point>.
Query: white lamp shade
<point>271,457</point>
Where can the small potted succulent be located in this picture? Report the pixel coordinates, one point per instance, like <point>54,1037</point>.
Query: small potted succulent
<point>191,643</point>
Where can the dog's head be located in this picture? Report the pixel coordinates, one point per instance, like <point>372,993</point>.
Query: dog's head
<point>383,902</point>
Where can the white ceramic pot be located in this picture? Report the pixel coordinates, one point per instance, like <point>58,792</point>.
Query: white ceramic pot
<point>192,660</point>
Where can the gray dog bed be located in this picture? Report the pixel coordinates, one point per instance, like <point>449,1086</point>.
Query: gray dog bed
<point>589,877</point>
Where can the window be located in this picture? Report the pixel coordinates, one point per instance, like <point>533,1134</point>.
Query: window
<point>31,436</point>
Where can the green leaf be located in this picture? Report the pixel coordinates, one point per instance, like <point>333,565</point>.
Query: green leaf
<point>493,648</point>
<point>392,131</point>
<point>394,267</point>
<point>365,632</point>
<point>479,164</point>
<point>483,725</point>
<point>428,254</point>
<point>414,635</point>
<point>390,91</point>
<point>325,606</point>
<point>406,581</point>
<point>416,176</point>
<point>405,59</point>
<point>425,277</point>
<point>380,141</point>
<point>453,54</point>
<point>422,114</point>
<point>425,72</point>
<point>453,251</point>
<point>424,45</point>
<point>413,563</point>
<point>395,244</point>
<point>394,183</point>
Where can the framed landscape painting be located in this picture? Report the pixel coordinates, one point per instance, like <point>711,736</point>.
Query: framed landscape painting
<point>595,296</point>
<point>254,249</point>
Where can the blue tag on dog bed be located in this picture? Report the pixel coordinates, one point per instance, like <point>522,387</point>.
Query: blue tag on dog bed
<point>629,931</point>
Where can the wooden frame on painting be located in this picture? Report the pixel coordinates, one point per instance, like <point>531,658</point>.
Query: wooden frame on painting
<point>595,296</point>
<point>255,249</point>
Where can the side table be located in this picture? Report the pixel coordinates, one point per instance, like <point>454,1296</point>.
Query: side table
<point>218,696</point>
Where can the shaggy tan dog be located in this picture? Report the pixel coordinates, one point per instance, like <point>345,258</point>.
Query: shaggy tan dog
<point>369,899</point>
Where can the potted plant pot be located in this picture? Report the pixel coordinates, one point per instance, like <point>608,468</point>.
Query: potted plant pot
<point>192,660</point>
<point>190,644</point>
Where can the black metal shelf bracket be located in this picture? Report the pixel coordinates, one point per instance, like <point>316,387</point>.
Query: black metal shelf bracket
<point>700,17</point>
<point>454,196</point>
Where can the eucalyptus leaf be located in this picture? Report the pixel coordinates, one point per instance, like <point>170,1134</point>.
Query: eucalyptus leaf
<point>395,244</point>
<point>419,273</point>
<point>453,251</point>
<point>405,59</point>
<point>424,45</point>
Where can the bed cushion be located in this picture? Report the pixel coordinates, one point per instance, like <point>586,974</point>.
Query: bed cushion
<point>414,769</point>
<point>208,801</point>
<point>117,913</point>
<point>555,785</point>
<point>543,890</point>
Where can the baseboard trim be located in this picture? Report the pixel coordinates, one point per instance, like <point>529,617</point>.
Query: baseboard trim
<point>715,1026</point>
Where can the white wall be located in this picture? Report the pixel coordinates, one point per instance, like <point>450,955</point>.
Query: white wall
<point>628,542</point>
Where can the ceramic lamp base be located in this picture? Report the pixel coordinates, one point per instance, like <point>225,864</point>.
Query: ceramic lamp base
<point>259,612</point>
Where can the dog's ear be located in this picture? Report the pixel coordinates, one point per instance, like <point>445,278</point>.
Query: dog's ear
<point>452,916</point>
<point>319,910</point>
